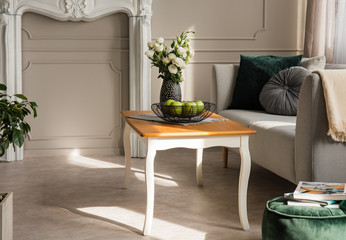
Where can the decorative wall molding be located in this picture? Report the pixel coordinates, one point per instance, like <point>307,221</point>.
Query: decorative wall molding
<point>119,95</point>
<point>53,138</point>
<point>139,12</point>
<point>4,6</point>
<point>145,10</point>
<point>32,37</point>
<point>264,22</point>
<point>75,8</point>
<point>249,38</point>
<point>68,38</point>
<point>249,50</point>
<point>214,62</point>
<point>74,50</point>
<point>293,51</point>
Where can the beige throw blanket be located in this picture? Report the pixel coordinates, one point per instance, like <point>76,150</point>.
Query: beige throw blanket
<point>334,89</point>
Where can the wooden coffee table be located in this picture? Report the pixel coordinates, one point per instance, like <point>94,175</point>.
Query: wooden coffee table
<point>162,136</point>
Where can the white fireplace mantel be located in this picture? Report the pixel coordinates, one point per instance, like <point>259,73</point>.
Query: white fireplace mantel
<point>139,12</point>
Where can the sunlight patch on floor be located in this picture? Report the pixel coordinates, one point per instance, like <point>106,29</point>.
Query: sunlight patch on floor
<point>160,179</point>
<point>88,162</point>
<point>136,220</point>
<point>76,159</point>
<point>92,163</point>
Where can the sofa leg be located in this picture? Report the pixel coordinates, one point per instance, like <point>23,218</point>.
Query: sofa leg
<point>225,157</point>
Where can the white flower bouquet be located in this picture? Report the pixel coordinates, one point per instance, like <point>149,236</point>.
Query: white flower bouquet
<point>171,60</point>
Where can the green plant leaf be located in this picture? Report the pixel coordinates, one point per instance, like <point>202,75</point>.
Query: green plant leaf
<point>2,151</point>
<point>34,107</point>
<point>33,104</point>
<point>13,128</point>
<point>21,96</point>
<point>18,138</point>
<point>3,87</point>
<point>4,144</point>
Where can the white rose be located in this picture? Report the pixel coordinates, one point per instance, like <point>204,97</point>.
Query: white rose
<point>178,62</point>
<point>181,50</point>
<point>182,78</point>
<point>150,53</point>
<point>150,44</point>
<point>159,48</point>
<point>191,52</point>
<point>172,69</point>
<point>160,40</point>
<point>168,50</point>
<point>166,60</point>
<point>171,56</point>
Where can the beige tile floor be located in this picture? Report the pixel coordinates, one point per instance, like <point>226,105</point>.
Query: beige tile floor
<point>81,197</point>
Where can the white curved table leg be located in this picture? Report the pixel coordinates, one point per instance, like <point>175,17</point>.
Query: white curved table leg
<point>243,181</point>
<point>199,161</point>
<point>149,181</point>
<point>127,149</point>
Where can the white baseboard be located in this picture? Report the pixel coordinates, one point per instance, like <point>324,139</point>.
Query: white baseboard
<point>66,152</point>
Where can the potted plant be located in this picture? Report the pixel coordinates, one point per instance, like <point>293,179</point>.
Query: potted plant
<point>13,127</point>
<point>6,216</point>
<point>171,61</point>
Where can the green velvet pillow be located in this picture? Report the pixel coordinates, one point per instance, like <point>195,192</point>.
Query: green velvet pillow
<point>284,222</point>
<point>253,73</point>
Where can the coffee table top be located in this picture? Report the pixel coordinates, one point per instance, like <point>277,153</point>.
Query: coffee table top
<point>157,129</point>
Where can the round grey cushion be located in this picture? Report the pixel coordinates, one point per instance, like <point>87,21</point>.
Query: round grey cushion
<point>280,94</point>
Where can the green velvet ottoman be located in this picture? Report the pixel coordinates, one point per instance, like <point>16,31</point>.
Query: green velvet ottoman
<point>283,222</point>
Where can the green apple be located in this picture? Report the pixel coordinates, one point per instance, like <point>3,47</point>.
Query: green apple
<point>200,106</point>
<point>176,108</point>
<point>167,106</point>
<point>189,109</point>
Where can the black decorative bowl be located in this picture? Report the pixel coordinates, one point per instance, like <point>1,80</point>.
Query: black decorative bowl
<point>181,114</point>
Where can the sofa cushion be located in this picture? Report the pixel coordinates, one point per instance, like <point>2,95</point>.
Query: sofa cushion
<point>314,63</point>
<point>280,94</point>
<point>272,147</point>
<point>254,72</point>
<point>250,117</point>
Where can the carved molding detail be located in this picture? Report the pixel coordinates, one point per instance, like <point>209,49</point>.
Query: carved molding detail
<point>75,8</point>
<point>4,6</point>
<point>145,11</point>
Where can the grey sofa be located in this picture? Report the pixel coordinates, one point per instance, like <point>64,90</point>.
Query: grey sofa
<point>293,147</point>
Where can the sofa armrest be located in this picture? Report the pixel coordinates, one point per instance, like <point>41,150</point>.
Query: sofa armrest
<point>222,85</point>
<point>317,156</point>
